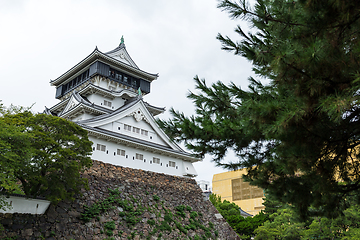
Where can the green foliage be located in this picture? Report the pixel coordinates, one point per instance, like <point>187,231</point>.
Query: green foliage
<point>110,225</point>
<point>168,217</point>
<point>211,225</point>
<point>156,198</point>
<point>285,224</point>
<point>133,215</point>
<point>102,206</point>
<point>297,133</point>
<point>46,154</point>
<point>11,238</point>
<point>109,232</point>
<point>215,199</point>
<point>15,150</point>
<point>231,212</point>
<point>181,228</point>
<point>164,226</point>
<point>151,222</point>
<point>194,214</point>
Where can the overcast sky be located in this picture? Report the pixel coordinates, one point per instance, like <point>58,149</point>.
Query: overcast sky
<point>42,39</point>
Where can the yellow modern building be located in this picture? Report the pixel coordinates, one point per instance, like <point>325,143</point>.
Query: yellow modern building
<point>231,187</point>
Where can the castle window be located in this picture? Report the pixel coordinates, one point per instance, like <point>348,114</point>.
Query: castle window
<point>120,152</point>
<point>112,74</point>
<point>144,132</point>
<point>107,103</point>
<point>127,127</point>
<point>136,130</point>
<point>139,156</point>
<point>156,160</point>
<point>101,147</point>
<point>171,164</point>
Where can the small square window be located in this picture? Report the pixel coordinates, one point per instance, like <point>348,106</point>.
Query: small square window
<point>156,160</point>
<point>172,164</point>
<point>101,147</point>
<point>136,130</point>
<point>107,103</point>
<point>139,156</point>
<point>120,152</point>
<point>127,127</point>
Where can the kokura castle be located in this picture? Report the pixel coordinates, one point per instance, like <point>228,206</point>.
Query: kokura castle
<point>104,93</point>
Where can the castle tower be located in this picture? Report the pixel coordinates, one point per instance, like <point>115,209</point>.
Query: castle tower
<point>103,93</point>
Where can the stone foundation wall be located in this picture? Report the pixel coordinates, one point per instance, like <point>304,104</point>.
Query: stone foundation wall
<point>125,203</point>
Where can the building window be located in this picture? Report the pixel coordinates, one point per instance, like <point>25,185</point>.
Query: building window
<point>107,103</point>
<point>242,190</point>
<point>156,160</point>
<point>136,130</point>
<point>120,152</point>
<point>171,164</point>
<point>101,147</point>
<point>127,127</point>
<point>144,132</point>
<point>139,156</point>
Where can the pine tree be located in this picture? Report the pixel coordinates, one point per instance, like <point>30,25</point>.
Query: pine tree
<point>299,133</point>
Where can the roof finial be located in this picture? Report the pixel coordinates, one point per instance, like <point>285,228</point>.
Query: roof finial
<point>122,40</point>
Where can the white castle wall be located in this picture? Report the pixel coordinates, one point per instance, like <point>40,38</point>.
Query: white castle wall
<point>99,100</point>
<point>129,160</point>
<point>83,116</point>
<point>118,127</point>
<point>25,205</point>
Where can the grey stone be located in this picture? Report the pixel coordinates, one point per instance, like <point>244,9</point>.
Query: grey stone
<point>27,232</point>
<point>65,221</point>
<point>74,214</point>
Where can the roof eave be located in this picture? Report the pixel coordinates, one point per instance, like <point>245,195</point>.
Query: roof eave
<point>97,55</point>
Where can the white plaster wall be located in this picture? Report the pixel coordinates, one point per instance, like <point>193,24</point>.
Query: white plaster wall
<point>117,54</point>
<point>204,185</point>
<point>103,84</point>
<point>83,116</point>
<point>99,100</point>
<point>152,137</point>
<point>129,160</point>
<point>118,127</point>
<point>26,205</point>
